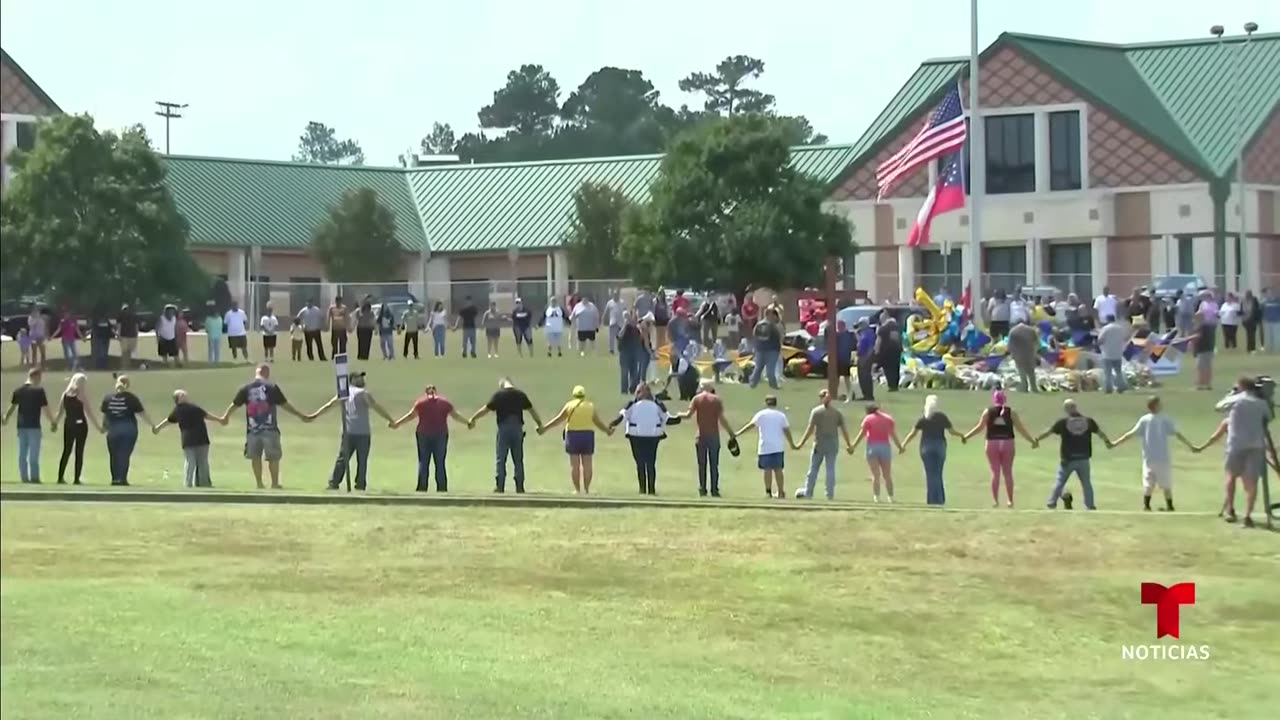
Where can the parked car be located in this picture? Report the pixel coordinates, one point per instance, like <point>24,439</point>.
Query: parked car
<point>1170,285</point>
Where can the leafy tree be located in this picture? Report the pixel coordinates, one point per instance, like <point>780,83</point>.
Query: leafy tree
<point>612,97</point>
<point>798,131</point>
<point>725,88</point>
<point>727,209</point>
<point>441,141</point>
<point>319,144</point>
<point>357,242</point>
<point>593,240</point>
<point>526,105</point>
<point>89,221</point>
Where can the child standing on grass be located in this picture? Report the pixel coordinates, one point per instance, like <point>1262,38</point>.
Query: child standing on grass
<point>296,336</point>
<point>24,347</point>
<point>1156,428</point>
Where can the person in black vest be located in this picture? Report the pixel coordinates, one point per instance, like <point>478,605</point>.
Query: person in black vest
<point>889,350</point>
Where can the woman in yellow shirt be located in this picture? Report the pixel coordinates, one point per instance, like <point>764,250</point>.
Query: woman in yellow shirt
<point>580,423</point>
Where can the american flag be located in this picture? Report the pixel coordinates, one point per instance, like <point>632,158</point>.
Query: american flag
<point>944,197</point>
<point>943,133</point>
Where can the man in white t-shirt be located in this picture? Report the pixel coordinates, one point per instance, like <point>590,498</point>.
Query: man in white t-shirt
<point>236,324</point>
<point>1155,428</point>
<point>775,437</point>
<point>553,321</point>
<point>1105,305</point>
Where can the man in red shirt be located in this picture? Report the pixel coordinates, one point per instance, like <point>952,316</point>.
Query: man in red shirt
<point>433,411</point>
<point>750,312</point>
<point>708,413</point>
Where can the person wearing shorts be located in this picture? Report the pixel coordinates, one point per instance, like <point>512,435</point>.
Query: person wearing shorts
<point>167,334</point>
<point>236,323</point>
<point>260,400</point>
<point>553,322</point>
<point>774,432</point>
<point>580,423</point>
<point>878,429</point>
<point>1247,447</point>
<point>1155,428</point>
<point>269,324</point>
<point>492,321</point>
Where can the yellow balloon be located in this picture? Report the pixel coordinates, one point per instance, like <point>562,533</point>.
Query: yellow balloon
<point>926,300</point>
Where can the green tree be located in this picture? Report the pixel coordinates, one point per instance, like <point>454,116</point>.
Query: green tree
<point>88,221</point>
<point>726,90</point>
<point>440,141</point>
<point>357,242</point>
<point>593,241</point>
<point>527,105</point>
<point>727,210</point>
<point>319,144</point>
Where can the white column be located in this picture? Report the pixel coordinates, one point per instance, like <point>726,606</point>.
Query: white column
<point>1034,251</point>
<point>1098,263</point>
<point>1202,258</point>
<point>1041,139</point>
<point>438,277</point>
<point>551,276</point>
<point>562,272</point>
<point>864,272</point>
<point>1251,246</point>
<point>8,141</point>
<point>906,272</point>
<point>237,274</point>
<point>1164,256</point>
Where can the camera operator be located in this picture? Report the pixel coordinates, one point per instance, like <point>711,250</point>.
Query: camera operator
<point>1248,413</point>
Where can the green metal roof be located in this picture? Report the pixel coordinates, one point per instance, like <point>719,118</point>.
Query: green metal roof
<point>276,204</point>
<point>478,208</point>
<point>1179,94</point>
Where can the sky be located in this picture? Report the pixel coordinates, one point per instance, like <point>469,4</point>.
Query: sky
<point>382,71</point>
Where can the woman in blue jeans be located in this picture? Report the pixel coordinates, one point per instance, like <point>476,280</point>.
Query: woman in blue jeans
<point>933,428</point>
<point>120,411</point>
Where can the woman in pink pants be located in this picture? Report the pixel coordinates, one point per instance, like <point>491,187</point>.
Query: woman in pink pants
<point>1000,422</point>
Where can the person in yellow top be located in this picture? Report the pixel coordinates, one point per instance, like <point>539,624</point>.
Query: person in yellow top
<point>580,423</point>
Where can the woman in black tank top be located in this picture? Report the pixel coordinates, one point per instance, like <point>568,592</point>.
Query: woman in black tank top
<point>76,415</point>
<point>1000,421</point>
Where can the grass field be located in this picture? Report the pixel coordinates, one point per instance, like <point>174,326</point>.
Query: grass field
<point>216,611</point>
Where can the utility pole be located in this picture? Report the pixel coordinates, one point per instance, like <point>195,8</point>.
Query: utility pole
<point>168,111</point>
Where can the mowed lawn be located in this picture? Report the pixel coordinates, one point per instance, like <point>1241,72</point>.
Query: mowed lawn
<point>310,448</point>
<point>132,612</point>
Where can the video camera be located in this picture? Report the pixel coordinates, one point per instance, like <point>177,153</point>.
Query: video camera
<point>1264,387</point>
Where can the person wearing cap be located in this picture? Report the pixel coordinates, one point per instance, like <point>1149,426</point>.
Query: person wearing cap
<point>707,410</point>
<point>357,432</point>
<point>1077,431</point>
<point>580,423</point>
<point>508,404</point>
<point>646,420</point>
<point>774,431</point>
<point>826,427</point>
<point>413,323</point>
<point>866,350</point>
<point>193,433</point>
<point>433,411</point>
<point>999,423</point>
<point>1248,415</point>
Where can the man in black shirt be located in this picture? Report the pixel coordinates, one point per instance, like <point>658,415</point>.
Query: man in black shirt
<point>508,405</point>
<point>889,350</point>
<point>29,401</point>
<point>1077,431</point>
<point>190,419</point>
<point>127,330</point>
<point>467,319</point>
<point>522,327</point>
<point>100,339</point>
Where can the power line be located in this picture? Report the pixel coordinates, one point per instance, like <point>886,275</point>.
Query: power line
<point>168,111</point>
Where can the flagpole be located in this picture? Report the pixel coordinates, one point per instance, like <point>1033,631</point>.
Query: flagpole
<point>977,162</point>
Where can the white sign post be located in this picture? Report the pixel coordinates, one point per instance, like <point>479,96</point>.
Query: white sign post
<point>342,376</point>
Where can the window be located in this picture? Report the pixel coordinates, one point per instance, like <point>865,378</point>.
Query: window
<point>1186,255</point>
<point>935,274</point>
<point>1003,267</point>
<point>1064,150</point>
<point>26,135</point>
<point>1011,154</point>
<point>1071,268</point>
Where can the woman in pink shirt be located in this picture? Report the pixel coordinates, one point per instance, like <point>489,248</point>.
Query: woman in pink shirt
<point>879,431</point>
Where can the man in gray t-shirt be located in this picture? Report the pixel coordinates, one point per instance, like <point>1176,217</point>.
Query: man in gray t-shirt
<point>1247,447</point>
<point>826,427</point>
<point>357,430</point>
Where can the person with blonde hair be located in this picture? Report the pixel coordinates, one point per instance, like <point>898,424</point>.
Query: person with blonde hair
<point>580,423</point>
<point>74,406</point>
<point>120,411</point>
<point>933,427</point>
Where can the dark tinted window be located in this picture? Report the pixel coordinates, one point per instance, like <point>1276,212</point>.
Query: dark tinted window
<point>1064,150</point>
<point>1011,154</point>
